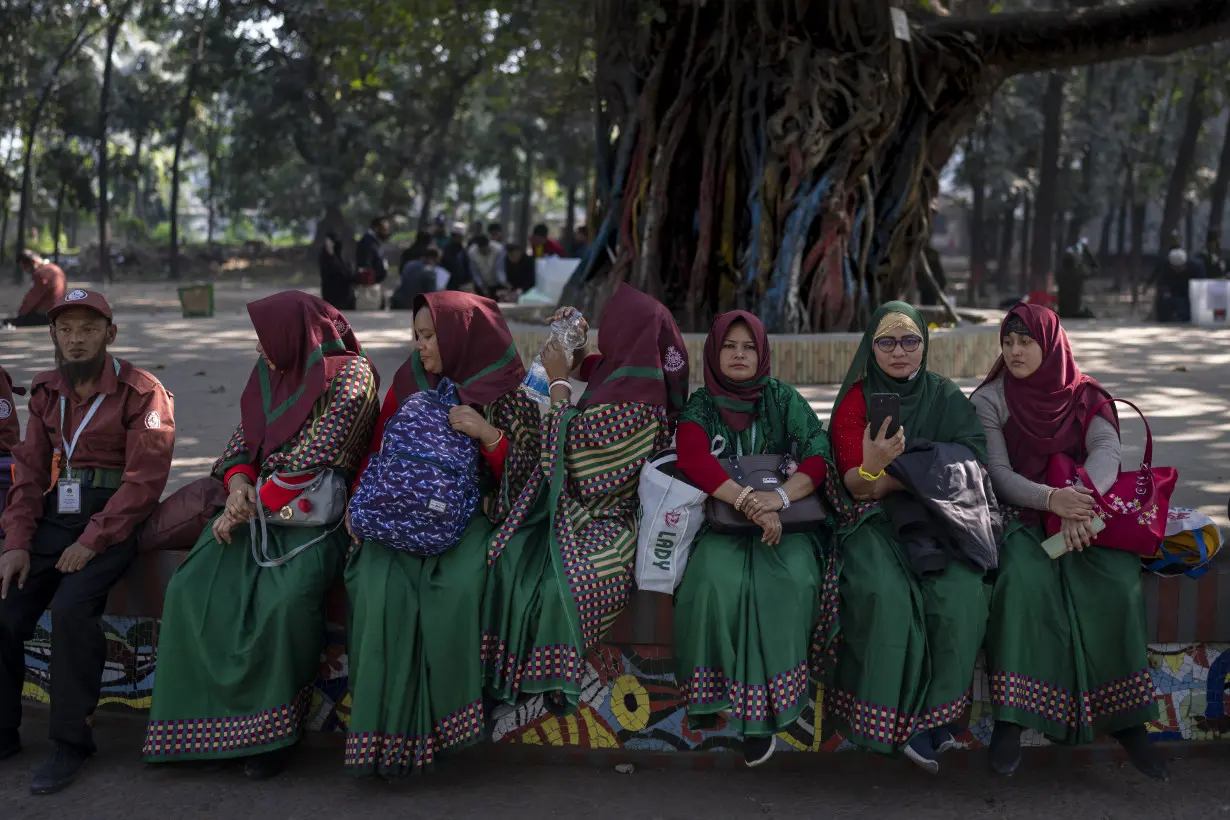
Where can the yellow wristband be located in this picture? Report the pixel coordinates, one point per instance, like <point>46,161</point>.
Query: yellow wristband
<point>866,476</point>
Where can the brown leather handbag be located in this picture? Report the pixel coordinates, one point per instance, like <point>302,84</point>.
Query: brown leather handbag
<point>763,474</point>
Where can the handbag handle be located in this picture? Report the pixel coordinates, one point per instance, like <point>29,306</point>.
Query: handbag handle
<point>258,530</point>
<point>1145,486</point>
<point>1148,461</point>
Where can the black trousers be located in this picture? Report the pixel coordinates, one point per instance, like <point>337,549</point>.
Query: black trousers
<point>77,601</point>
<point>30,320</point>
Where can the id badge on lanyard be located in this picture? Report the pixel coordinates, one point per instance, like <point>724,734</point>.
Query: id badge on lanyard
<point>68,486</point>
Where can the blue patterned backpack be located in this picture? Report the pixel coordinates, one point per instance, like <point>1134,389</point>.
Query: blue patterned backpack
<point>419,492</point>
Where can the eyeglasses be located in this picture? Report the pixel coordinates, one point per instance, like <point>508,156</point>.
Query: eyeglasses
<point>887,344</point>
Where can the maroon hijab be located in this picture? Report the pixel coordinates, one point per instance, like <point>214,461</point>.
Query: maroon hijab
<point>736,401</point>
<point>644,358</point>
<point>477,350</point>
<point>308,341</point>
<point>1047,410</point>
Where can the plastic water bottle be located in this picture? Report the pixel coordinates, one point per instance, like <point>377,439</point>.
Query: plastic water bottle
<point>570,335</point>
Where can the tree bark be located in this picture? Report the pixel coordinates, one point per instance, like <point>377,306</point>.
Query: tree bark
<point>136,207</point>
<point>55,228</point>
<point>104,102</point>
<point>526,214</point>
<point>1217,196</point>
<point>1042,255</point>
<point>1003,265</point>
<point>570,218</point>
<point>31,131</point>
<point>181,130</point>
<point>1027,227</point>
<point>1185,158</point>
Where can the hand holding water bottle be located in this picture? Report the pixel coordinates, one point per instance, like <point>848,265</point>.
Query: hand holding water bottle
<point>569,332</point>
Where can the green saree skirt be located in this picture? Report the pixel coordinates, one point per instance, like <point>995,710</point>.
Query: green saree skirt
<point>240,646</point>
<point>1067,640</point>
<point>906,657</point>
<point>744,618</point>
<point>415,670</point>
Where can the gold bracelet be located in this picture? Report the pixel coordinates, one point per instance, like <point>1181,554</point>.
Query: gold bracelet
<point>491,447</point>
<point>742,497</point>
<point>866,476</point>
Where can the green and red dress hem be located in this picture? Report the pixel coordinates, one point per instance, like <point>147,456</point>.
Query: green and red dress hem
<point>187,739</point>
<point>369,753</point>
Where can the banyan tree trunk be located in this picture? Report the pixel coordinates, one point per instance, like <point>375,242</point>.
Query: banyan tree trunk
<point>783,155</point>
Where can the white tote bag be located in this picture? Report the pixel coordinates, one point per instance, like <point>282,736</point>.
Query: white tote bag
<point>672,513</point>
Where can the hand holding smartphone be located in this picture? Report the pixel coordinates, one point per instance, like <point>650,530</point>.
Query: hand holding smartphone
<point>884,406</point>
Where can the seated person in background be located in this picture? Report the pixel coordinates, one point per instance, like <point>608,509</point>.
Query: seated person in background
<point>519,270</point>
<point>419,276</point>
<point>485,265</point>
<point>1066,642</point>
<point>414,252</point>
<point>369,261</point>
<point>542,243</point>
<point>243,626</point>
<point>909,638</point>
<point>47,289</point>
<point>749,604</point>
<point>100,435</point>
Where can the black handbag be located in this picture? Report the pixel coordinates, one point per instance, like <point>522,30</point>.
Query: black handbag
<point>763,474</point>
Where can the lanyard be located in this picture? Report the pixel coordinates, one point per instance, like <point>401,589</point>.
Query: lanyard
<point>70,446</point>
<point>751,447</point>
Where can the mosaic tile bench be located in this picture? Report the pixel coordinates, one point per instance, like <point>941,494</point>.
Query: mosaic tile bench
<point>630,700</point>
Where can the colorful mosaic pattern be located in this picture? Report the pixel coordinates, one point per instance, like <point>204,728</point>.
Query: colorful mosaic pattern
<point>629,698</point>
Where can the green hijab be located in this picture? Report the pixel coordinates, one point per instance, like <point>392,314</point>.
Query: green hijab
<point>932,407</point>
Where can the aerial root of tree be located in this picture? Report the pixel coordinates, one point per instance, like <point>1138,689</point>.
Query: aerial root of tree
<point>783,157</point>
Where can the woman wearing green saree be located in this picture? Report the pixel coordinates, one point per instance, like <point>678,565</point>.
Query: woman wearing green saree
<point>1067,645</point>
<point>908,644</point>
<point>561,563</point>
<point>240,643</point>
<point>415,669</point>
<point>749,604</point>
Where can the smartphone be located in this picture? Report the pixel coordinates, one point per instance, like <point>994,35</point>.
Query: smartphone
<point>883,406</point>
<point>1055,546</point>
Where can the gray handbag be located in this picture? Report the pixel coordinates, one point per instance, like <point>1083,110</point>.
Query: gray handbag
<point>326,507</point>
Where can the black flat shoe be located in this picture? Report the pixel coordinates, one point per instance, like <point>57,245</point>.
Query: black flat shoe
<point>1135,741</point>
<point>59,770</point>
<point>266,766</point>
<point>10,744</point>
<point>1005,755</point>
<point>757,750</point>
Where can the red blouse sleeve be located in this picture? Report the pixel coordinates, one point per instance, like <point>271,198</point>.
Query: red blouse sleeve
<point>695,459</point>
<point>815,469</point>
<point>387,411</point>
<point>587,366</point>
<point>239,469</point>
<point>847,426</point>
<point>496,458</point>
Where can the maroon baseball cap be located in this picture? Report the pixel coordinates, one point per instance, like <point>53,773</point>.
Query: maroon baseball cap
<point>77,297</point>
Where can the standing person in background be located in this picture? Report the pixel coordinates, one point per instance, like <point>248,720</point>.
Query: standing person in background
<point>456,260</point>
<point>484,264</point>
<point>476,230</point>
<point>496,231</point>
<point>336,279</point>
<point>47,289</point>
<point>439,235</point>
<point>66,547</point>
<point>369,255</point>
<point>1212,259</point>
<point>543,244</point>
<point>10,434</point>
<point>520,270</point>
<point>419,276</point>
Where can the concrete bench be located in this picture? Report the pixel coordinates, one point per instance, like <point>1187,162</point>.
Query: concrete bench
<point>630,700</point>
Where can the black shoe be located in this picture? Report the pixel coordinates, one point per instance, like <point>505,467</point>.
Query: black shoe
<point>757,750</point>
<point>1005,756</point>
<point>10,744</point>
<point>268,765</point>
<point>59,771</point>
<point>1135,741</point>
<point>922,754</point>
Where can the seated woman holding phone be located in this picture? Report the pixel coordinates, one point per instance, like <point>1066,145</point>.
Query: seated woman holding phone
<point>1066,642</point>
<point>909,634</point>
<point>751,595</point>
